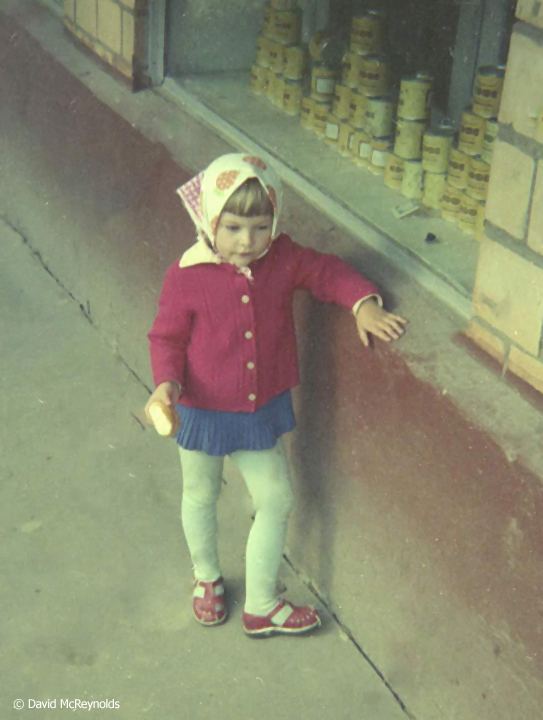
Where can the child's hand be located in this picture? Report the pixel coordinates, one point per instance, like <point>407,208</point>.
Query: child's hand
<point>166,392</point>
<point>371,318</point>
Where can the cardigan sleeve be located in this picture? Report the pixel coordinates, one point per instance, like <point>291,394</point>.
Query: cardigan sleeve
<point>329,278</point>
<point>170,334</point>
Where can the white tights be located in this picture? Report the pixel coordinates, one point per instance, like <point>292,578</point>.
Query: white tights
<point>267,476</point>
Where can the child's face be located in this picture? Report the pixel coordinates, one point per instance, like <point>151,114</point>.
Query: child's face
<point>240,240</point>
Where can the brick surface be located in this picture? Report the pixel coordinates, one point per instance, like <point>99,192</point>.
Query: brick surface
<point>86,16</point>
<point>509,189</point>
<point>526,367</point>
<point>69,9</point>
<point>109,25</point>
<point>535,228</point>
<point>523,90</point>
<point>508,295</point>
<point>531,11</point>
<point>486,340</point>
<point>128,36</point>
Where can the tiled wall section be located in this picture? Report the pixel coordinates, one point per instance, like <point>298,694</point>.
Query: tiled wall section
<point>109,28</point>
<point>508,297</point>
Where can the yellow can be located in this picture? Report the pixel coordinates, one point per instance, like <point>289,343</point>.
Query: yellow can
<point>434,189</point>
<point>268,18</point>
<point>394,171</point>
<point>487,92</point>
<point>480,222</point>
<point>259,80</point>
<point>450,205</point>
<point>352,67</point>
<point>323,81</point>
<point>276,89</point>
<point>458,168</point>
<point>333,123</point>
<point>491,133</point>
<point>415,97</point>
<point>413,180</point>
<point>342,101</point>
<point>472,133</point>
<point>361,147</point>
<point>358,107</point>
<point>366,33</point>
<point>292,96</point>
<point>478,177</point>
<point>287,27</point>
<point>294,61</point>
<point>436,148</point>
<point>320,113</point>
<point>380,150</point>
<point>306,112</point>
<point>275,51</point>
<point>467,214</point>
<point>375,75</point>
<point>346,133</point>
<point>379,115</point>
<point>409,134</point>
<point>264,46</point>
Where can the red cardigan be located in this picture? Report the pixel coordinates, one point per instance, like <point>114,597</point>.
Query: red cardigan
<point>230,341</point>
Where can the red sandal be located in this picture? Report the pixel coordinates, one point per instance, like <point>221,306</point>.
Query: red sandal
<point>209,604</point>
<point>286,618</point>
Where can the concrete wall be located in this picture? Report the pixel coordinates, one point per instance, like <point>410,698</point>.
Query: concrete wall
<point>414,524</point>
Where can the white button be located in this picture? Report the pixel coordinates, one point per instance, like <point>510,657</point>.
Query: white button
<point>248,335</point>
<point>245,299</point>
<point>252,397</point>
<point>251,366</point>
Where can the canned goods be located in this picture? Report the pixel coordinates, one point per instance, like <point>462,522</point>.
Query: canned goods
<point>275,54</point>
<point>342,101</point>
<point>434,189</point>
<point>320,112</point>
<point>259,80</point>
<point>263,49</point>
<point>413,179</point>
<point>450,205</point>
<point>268,17</point>
<point>323,80</point>
<point>352,67</point>
<point>394,171</point>
<point>458,168</point>
<point>409,135</point>
<point>306,112</point>
<point>467,213</point>
<point>346,132</point>
<point>333,124</point>
<point>361,147</point>
<point>472,133</point>
<point>292,96</point>
<point>480,222</point>
<point>317,45</point>
<point>380,150</point>
<point>478,177</point>
<point>436,148</point>
<point>415,97</point>
<point>375,75</point>
<point>294,61</point>
<point>379,115</point>
<point>287,26</point>
<point>491,133</point>
<point>358,107</point>
<point>276,89</point>
<point>366,32</point>
<point>487,92</point>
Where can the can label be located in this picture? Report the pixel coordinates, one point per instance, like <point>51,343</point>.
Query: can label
<point>409,135</point>
<point>472,133</point>
<point>332,130</point>
<point>325,86</point>
<point>458,169</point>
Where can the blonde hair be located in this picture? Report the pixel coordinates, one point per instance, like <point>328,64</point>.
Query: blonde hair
<point>249,200</point>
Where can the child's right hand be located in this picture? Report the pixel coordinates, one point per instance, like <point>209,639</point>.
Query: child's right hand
<point>166,392</point>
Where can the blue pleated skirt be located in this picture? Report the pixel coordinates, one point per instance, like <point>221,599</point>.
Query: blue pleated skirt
<point>220,433</point>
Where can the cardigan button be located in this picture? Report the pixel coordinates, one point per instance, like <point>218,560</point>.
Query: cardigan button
<point>251,365</point>
<point>245,299</point>
<point>248,334</point>
<point>252,397</point>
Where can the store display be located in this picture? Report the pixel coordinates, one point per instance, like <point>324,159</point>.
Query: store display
<point>409,134</point>
<point>415,96</point>
<point>478,177</point>
<point>472,133</point>
<point>375,75</point>
<point>366,32</point>
<point>436,148</point>
<point>294,61</point>
<point>380,150</point>
<point>458,168</point>
<point>394,171</point>
<point>491,133</point>
<point>434,189</point>
<point>379,115</point>
<point>259,80</point>
<point>413,180</point>
<point>450,205</point>
<point>292,96</point>
<point>487,91</point>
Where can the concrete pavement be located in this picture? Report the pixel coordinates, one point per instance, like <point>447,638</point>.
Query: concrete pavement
<point>96,577</point>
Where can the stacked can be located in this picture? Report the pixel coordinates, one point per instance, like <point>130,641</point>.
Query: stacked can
<point>436,149</point>
<point>412,123</point>
<point>280,63</point>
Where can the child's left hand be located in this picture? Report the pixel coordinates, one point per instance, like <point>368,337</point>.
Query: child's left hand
<point>373,319</point>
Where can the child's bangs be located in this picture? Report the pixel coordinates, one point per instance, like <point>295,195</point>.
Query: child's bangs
<point>249,200</point>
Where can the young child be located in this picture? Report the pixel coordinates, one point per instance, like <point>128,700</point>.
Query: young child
<point>223,352</point>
